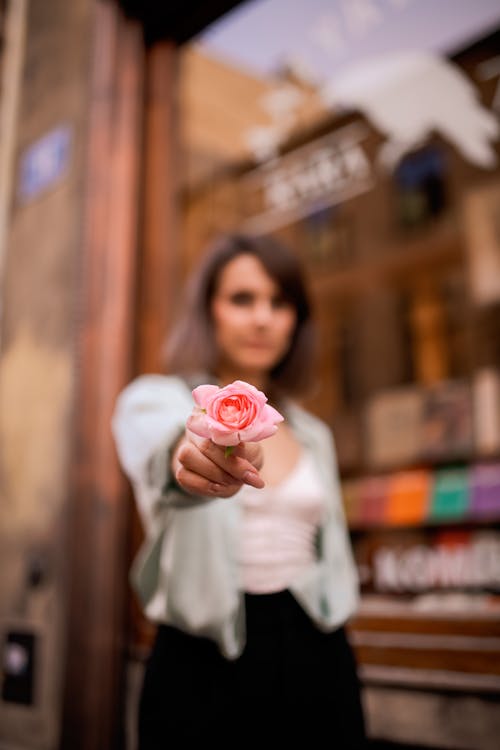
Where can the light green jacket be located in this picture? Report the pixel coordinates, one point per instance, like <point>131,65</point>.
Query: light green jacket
<point>186,573</point>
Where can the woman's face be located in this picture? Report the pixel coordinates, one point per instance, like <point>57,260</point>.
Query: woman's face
<point>253,324</point>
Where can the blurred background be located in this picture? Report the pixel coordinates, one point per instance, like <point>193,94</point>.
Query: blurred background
<point>364,133</point>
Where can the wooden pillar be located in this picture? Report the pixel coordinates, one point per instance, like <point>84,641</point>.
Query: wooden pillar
<point>97,516</point>
<point>160,262</point>
<point>159,272</point>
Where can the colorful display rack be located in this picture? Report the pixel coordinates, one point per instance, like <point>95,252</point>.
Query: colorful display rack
<point>417,496</point>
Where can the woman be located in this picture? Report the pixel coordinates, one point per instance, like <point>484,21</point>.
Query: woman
<point>246,566</point>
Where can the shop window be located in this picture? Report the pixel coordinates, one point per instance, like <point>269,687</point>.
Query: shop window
<point>420,184</point>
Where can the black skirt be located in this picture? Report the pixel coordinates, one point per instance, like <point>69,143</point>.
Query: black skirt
<point>292,683</point>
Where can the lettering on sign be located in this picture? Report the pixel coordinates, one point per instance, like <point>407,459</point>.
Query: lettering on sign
<point>423,567</point>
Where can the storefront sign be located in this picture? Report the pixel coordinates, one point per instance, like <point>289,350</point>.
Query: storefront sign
<point>44,163</point>
<point>475,563</point>
<point>419,562</point>
<point>327,171</point>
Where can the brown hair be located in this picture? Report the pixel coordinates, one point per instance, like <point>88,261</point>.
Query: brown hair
<point>191,349</point>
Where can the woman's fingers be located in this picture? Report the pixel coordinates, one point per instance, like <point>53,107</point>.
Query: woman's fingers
<point>252,452</point>
<point>192,458</point>
<point>203,457</point>
<point>236,465</point>
<point>199,485</point>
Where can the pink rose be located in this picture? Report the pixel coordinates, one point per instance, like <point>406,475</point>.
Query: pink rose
<point>233,414</point>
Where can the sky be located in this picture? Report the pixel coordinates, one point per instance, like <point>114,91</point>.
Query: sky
<point>324,37</point>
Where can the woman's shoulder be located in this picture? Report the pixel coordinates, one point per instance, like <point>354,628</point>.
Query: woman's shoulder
<point>303,419</point>
<point>155,387</point>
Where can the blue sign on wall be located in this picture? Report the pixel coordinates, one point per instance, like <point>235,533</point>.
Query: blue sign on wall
<point>44,163</point>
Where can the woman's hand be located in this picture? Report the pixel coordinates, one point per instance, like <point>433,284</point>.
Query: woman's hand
<point>201,468</point>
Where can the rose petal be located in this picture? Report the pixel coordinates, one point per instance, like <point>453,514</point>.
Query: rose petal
<point>197,423</point>
<point>257,432</point>
<point>273,414</point>
<point>224,438</point>
<point>203,394</point>
<point>213,424</point>
<point>239,386</point>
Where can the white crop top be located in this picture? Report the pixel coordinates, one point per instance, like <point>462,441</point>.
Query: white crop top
<point>278,528</point>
